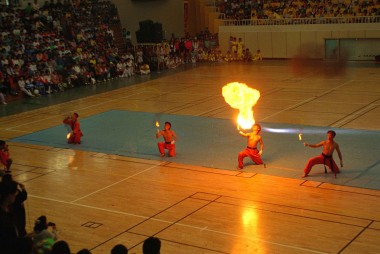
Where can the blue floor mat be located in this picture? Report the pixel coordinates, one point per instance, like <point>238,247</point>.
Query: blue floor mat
<point>215,143</point>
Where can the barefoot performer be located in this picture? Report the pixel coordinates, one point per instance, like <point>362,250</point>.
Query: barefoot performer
<point>169,138</point>
<point>251,150</point>
<point>74,137</point>
<point>326,158</point>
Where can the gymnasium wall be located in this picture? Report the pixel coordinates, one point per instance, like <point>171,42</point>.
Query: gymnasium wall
<point>288,41</point>
<point>169,13</point>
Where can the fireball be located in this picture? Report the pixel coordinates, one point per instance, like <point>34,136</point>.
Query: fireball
<point>243,98</point>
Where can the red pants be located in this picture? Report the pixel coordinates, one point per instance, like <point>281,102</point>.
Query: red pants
<point>252,153</point>
<point>5,160</point>
<point>75,138</point>
<point>321,160</point>
<point>162,146</point>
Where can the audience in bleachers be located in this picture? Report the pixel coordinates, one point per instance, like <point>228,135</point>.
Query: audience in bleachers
<point>275,9</point>
<point>57,46</point>
<point>60,45</point>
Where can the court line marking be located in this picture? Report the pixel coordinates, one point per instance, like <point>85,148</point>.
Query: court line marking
<point>170,241</point>
<point>177,222</point>
<point>265,241</point>
<point>49,108</point>
<point>124,89</point>
<point>83,108</point>
<point>356,237</point>
<point>356,114</point>
<point>290,107</point>
<point>106,187</point>
<point>307,100</point>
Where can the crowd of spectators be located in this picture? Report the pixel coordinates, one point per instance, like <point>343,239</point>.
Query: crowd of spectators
<point>178,51</point>
<point>290,9</point>
<point>201,48</point>
<point>58,46</point>
<point>61,45</point>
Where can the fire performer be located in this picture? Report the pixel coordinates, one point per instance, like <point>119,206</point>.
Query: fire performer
<point>170,138</point>
<point>326,158</point>
<point>75,135</point>
<point>251,150</point>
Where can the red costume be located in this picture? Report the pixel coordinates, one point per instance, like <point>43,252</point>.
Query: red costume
<point>321,159</point>
<point>76,133</point>
<point>253,153</point>
<point>166,145</point>
<point>5,159</point>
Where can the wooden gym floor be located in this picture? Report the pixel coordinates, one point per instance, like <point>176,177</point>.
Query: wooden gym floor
<point>100,200</point>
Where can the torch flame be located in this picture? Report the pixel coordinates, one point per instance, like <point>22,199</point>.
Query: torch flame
<point>157,124</point>
<point>68,135</point>
<point>300,137</point>
<point>242,97</point>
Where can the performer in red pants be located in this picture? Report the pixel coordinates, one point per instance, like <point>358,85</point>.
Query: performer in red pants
<point>326,158</point>
<point>76,133</point>
<point>251,150</point>
<point>169,137</point>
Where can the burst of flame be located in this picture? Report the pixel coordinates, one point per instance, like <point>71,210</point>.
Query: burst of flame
<point>157,124</point>
<point>243,98</point>
<point>68,135</point>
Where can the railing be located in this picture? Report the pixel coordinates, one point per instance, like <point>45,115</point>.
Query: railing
<point>211,3</point>
<point>300,21</point>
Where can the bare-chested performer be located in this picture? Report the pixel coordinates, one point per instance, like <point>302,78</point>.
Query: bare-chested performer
<point>170,137</point>
<point>326,158</point>
<point>251,150</point>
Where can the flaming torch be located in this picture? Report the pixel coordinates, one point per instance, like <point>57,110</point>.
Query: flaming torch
<point>67,121</point>
<point>243,98</point>
<point>158,126</point>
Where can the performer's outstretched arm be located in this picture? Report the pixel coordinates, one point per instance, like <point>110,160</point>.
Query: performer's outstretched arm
<point>243,134</point>
<point>314,146</point>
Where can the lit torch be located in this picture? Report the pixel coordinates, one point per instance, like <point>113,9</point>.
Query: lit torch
<point>300,136</point>
<point>158,126</point>
<point>68,135</point>
<point>243,98</point>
